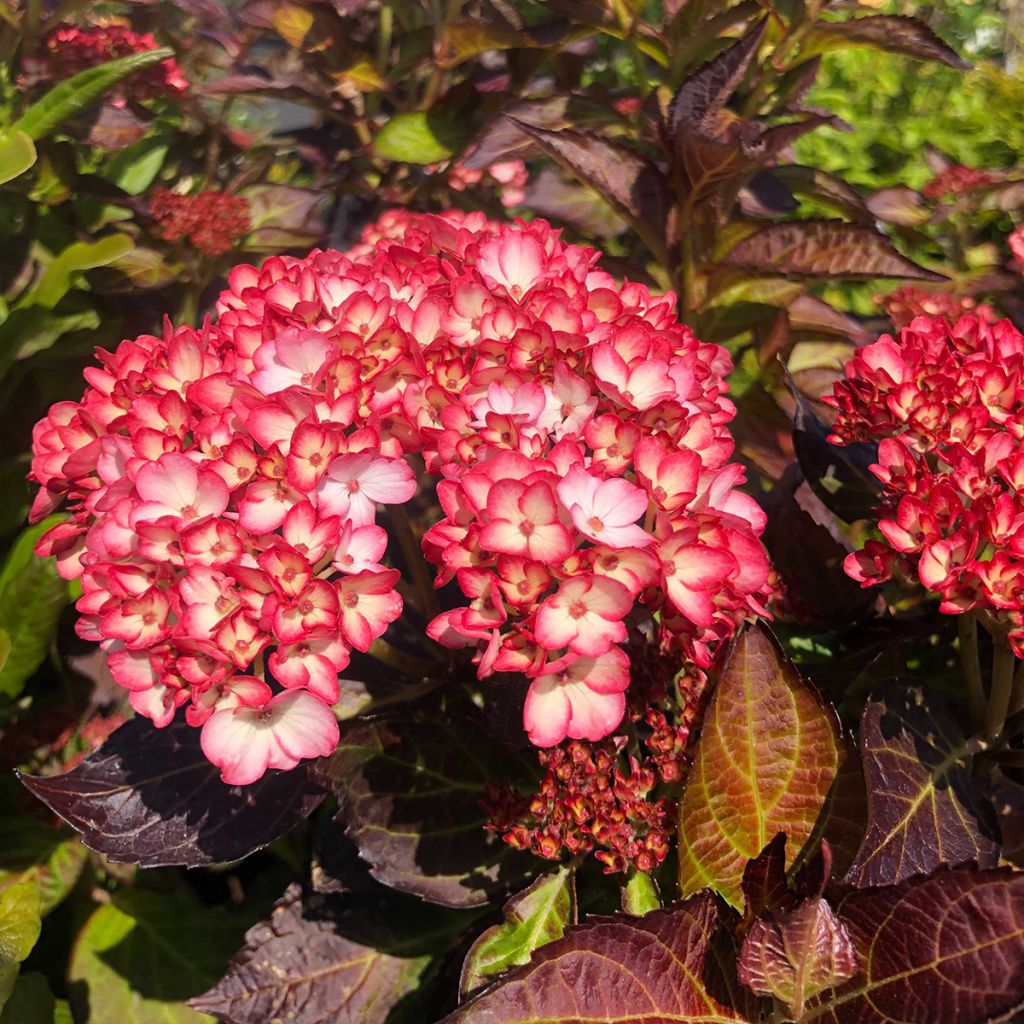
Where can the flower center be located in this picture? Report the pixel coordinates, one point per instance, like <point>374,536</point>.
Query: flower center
<point>577,609</point>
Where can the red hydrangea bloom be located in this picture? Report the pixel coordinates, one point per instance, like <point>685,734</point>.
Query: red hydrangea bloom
<point>67,49</point>
<point>224,483</point>
<point>212,221</point>
<point>1015,240</point>
<point>955,180</point>
<point>947,403</point>
<point>908,302</point>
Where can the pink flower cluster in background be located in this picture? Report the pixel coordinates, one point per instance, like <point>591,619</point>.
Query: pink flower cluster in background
<point>908,302</point>
<point>511,175</point>
<point>947,403</point>
<point>67,49</point>
<point>224,483</point>
<point>955,180</point>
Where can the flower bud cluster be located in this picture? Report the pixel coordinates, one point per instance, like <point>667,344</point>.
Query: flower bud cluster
<point>212,221</point>
<point>954,181</point>
<point>908,302</point>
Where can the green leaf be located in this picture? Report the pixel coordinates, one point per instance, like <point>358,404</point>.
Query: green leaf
<point>533,917</point>
<point>31,1001</point>
<point>32,594</point>
<point>765,762</point>
<point>19,922</point>
<point>640,894</point>
<point>75,259</point>
<point>140,957</point>
<point>420,137</point>
<point>17,155</point>
<point>70,98</point>
<point>134,167</point>
<point>34,852</point>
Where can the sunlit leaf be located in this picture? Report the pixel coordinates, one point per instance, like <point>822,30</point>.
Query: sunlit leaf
<point>17,155</point>
<point>899,205</point>
<point>891,32</point>
<point>793,955</point>
<point>78,257</point>
<point>69,98</point>
<point>932,951</point>
<point>292,22</point>
<point>463,40</point>
<point>149,796</point>
<point>419,137</point>
<point>20,925</point>
<point>824,248</point>
<point>924,809</point>
<point>767,755</point>
<point>533,917</point>
<point>664,966</point>
<point>633,186</point>
<point>334,960</point>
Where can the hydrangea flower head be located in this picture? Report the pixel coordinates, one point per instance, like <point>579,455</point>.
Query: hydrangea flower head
<point>227,486</point>
<point>946,402</point>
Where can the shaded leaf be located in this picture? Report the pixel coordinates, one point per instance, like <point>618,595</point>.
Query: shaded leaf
<point>116,127</point>
<point>795,954</point>
<point>35,852</point>
<point>17,155</point>
<point>571,203</point>
<point>924,809</point>
<point>764,880</point>
<point>69,98</point>
<point>283,217</point>
<point>419,137</point>
<point>706,91</point>
<point>663,966</point>
<point>932,951</point>
<point>135,167</point>
<point>463,40</point>
<point>824,248</point>
<point>766,196</point>
<point>838,474</point>
<point>332,960</point>
<point>827,189</point>
<point>891,32</point>
<point>149,796</point>
<point>409,784</point>
<point>844,820</point>
<point>634,187</point>
<point>32,595</point>
<point>537,915</point>
<point>30,1002</point>
<point>766,758</point>
<point>141,956</point>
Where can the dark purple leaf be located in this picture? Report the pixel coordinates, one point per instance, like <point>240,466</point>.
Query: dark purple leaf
<point>116,127</point>
<point>838,474</point>
<point>845,815</point>
<point>669,965</point>
<point>824,248</point>
<point>827,189</point>
<point>766,196</point>
<point>704,94</point>
<point>937,950</point>
<point>630,183</point>
<point>891,32</point>
<point>409,784</point>
<point>334,960</point>
<point>793,955</point>
<point>149,796</point>
<point>571,203</point>
<point>924,809</point>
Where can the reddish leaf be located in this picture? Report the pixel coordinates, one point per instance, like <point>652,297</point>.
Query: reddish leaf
<point>765,761</point>
<point>409,784</point>
<point>333,960</point>
<point>705,92</point>
<point>663,966</point>
<point>764,880</point>
<point>795,954</point>
<point>116,127</point>
<point>938,950</point>
<point>631,184</point>
<point>463,40</point>
<point>899,205</point>
<point>824,248</point>
<point>892,32</point>
<point>571,203</point>
<point>924,810</point>
<point>149,796</point>
<point>844,819</point>
<point>828,189</point>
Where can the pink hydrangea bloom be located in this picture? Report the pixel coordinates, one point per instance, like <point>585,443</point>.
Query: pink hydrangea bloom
<point>225,484</point>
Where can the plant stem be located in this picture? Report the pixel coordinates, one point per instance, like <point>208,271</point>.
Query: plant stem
<point>1017,699</point>
<point>967,629</point>
<point>1002,687</point>
<point>426,597</point>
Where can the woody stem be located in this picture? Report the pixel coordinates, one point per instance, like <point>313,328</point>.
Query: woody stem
<point>1003,663</point>
<point>967,628</point>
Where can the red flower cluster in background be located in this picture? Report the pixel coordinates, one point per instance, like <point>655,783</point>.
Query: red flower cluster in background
<point>947,402</point>
<point>511,175</point>
<point>212,221</point>
<point>908,302</point>
<point>68,49</point>
<point>224,483</point>
<point>955,180</point>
